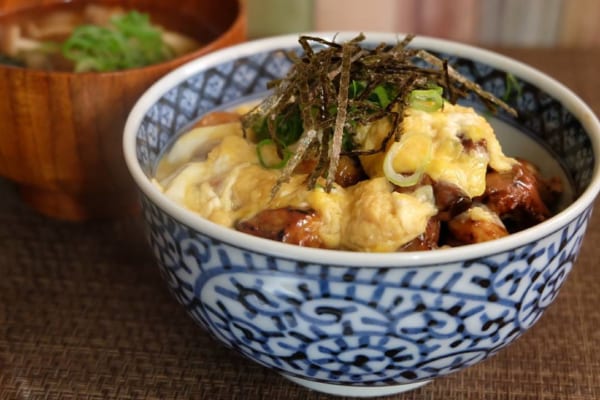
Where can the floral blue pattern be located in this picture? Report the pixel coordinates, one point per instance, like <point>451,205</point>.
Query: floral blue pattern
<point>353,325</point>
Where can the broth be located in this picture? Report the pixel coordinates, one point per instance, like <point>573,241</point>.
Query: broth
<point>24,35</point>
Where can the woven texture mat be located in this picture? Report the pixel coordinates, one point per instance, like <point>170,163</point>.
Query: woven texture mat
<point>84,314</point>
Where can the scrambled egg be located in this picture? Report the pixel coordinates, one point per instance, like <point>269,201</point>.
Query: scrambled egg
<point>216,172</point>
<point>433,142</point>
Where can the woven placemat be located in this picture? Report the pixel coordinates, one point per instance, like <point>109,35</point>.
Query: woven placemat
<point>84,314</point>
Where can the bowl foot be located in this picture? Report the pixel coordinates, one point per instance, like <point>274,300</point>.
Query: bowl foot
<point>355,391</point>
<point>66,206</point>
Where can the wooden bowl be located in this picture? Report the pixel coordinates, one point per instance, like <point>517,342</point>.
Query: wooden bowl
<point>60,132</point>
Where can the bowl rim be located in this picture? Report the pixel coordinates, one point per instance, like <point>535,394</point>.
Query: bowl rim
<point>231,237</point>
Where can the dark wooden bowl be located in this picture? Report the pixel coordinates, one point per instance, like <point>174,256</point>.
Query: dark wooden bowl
<point>60,132</point>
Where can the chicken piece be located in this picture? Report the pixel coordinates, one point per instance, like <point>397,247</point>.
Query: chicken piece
<point>515,196</point>
<point>286,225</point>
<point>306,166</point>
<point>477,224</point>
<point>217,118</point>
<point>549,189</point>
<point>450,200</point>
<point>349,171</point>
<point>428,240</point>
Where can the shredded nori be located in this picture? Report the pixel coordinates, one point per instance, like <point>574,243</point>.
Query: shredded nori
<point>338,87</point>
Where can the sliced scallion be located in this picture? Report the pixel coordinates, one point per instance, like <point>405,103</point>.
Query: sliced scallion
<point>261,149</point>
<point>129,41</point>
<point>398,178</point>
<point>382,96</point>
<point>428,100</point>
<point>513,87</point>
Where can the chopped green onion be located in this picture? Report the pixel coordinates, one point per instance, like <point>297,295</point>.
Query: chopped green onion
<point>379,94</point>
<point>356,88</point>
<point>288,126</point>
<point>382,96</point>
<point>400,179</point>
<point>513,87</point>
<point>260,148</point>
<point>130,41</point>
<point>428,100</point>
<point>319,187</point>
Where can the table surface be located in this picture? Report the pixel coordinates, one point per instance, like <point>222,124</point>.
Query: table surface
<point>84,313</point>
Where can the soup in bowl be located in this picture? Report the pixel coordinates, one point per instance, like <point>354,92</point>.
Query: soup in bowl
<point>354,321</point>
<point>62,117</point>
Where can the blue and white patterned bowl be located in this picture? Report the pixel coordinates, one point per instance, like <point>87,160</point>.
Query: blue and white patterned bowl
<point>354,323</point>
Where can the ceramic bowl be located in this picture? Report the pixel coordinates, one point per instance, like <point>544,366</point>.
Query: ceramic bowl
<point>363,324</point>
<point>60,130</point>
